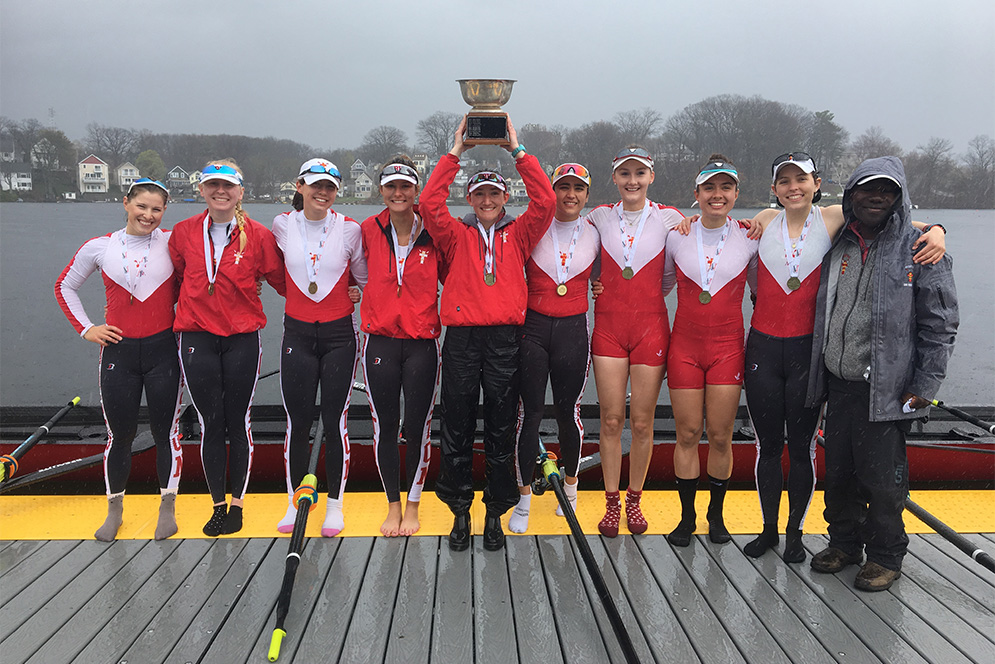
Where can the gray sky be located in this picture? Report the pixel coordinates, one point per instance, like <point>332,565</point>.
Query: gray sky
<point>326,72</point>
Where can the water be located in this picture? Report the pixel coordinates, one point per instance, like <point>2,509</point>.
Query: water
<point>43,362</point>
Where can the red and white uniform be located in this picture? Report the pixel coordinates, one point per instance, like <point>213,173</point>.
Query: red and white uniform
<point>545,268</point>
<point>234,308</point>
<point>779,311</point>
<point>340,256</point>
<point>466,299</point>
<point>630,317</point>
<point>707,342</point>
<point>405,310</point>
<point>149,277</point>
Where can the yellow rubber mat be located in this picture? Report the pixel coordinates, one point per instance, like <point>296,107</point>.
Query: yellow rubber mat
<point>77,517</point>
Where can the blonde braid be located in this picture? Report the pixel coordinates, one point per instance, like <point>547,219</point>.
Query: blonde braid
<point>240,220</point>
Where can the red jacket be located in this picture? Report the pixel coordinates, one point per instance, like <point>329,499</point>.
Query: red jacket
<point>414,312</point>
<point>466,299</point>
<point>234,308</point>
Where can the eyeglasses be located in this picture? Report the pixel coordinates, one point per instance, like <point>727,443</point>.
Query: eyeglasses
<point>632,153</point>
<point>790,156</point>
<point>154,183</point>
<point>576,170</point>
<point>322,168</point>
<point>398,169</point>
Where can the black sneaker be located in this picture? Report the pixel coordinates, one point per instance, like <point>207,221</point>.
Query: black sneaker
<point>459,537</point>
<point>493,533</point>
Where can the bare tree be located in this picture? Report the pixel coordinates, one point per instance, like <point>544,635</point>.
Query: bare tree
<point>545,143</point>
<point>112,144</point>
<point>873,143</point>
<point>594,145</point>
<point>383,142</point>
<point>826,141</point>
<point>639,126</point>
<point>930,172</point>
<point>435,133</point>
<point>976,181</point>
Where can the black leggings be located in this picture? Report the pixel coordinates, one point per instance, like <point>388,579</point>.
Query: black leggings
<point>776,381</point>
<point>125,369</point>
<point>390,365</point>
<point>557,349</point>
<point>313,353</point>
<point>221,374</point>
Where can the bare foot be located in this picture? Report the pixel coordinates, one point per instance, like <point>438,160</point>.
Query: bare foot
<point>392,523</point>
<point>410,523</point>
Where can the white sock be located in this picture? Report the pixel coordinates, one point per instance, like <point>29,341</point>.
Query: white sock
<point>571,492</point>
<point>286,524</point>
<point>519,521</point>
<point>334,523</point>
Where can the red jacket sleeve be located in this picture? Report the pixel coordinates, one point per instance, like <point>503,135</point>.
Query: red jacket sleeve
<point>542,202</point>
<point>271,260</point>
<point>432,202</point>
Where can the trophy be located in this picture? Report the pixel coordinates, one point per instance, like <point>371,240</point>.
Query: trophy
<point>486,123</point>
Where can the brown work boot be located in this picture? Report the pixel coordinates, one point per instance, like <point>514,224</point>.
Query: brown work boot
<point>873,577</point>
<point>831,560</point>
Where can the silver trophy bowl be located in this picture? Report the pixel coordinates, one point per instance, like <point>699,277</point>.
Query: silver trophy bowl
<point>486,95</point>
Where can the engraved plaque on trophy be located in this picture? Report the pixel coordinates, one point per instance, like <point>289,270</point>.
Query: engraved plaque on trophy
<point>486,123</point>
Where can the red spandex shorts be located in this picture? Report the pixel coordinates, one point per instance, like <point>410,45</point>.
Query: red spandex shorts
<point>643,338</point>
<point>694,362</point>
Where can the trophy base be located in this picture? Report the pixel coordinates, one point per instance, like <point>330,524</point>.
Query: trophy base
<point>487,129</point>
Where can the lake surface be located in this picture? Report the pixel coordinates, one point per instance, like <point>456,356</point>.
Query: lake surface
<point>44,362</point>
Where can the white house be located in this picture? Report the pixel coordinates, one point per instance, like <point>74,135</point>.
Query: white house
<point>94,175</point>
<point>421,163</point>
<point>16,176</point>
<point>177,179</point>
<point>516,187</point>
<point>363,187</point>
<point>127,173</point>
<point>357,167</point>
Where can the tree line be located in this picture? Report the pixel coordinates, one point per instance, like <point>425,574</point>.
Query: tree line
<point>751,131</point>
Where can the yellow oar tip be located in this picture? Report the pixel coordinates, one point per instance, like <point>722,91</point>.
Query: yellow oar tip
<point>275,643</point>
<point>75,401</point>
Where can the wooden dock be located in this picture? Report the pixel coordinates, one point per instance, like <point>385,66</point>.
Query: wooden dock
<point>365,599</point>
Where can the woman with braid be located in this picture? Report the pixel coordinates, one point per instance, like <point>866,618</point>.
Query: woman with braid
<point>219,256</point>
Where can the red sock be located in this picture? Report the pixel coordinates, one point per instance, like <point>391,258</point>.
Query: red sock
<point>634,518</point>
<point>613,511</point>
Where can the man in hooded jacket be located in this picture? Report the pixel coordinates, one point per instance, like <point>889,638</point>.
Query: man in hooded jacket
<point>884,332</point>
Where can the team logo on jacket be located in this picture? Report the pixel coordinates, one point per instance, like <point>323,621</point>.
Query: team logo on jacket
<point>504,236</point>
<point>423,254</point>
<point>846,259</point>
<point>908,276</point>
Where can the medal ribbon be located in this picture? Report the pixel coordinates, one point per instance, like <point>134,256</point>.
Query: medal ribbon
<point>312,259</point>
<point>210,263</point>
<point>488,247</point>
<point>563,263</point>
<point>401,252</point>
<point>793,255</point>
<point>706,267</point>
<point>140,266</point>
<point>629,247</point>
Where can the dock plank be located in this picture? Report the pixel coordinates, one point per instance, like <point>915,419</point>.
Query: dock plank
<point>52,617</point>
<point>837,591</point>
<point>105,604</point>
<point>330,619</point>
<point>664,636</point>
<point>625,610</point>
<point>410,637</point>
<point>791,634</point>
<point>371,616</point>
<point>135,615</point>
<point>962,559</point>
<point>704,629</point>
<point>12,556</point>
<point>533,611</point>
<point>210,616</point>
<point>30,568</point>
<point>183,608</point>
<point>452,624</point>
<point>966,580</point>
<point>493,615</point>
<point>579,632</point>
<point>32,598</point>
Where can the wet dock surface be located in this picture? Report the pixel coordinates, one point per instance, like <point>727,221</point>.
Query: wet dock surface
<point>365,599</point>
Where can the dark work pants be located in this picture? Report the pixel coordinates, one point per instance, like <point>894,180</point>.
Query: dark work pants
<point>867,477</point>
<point>475,358</point>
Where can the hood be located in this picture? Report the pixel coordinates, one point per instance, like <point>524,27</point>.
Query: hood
<point>890,166</point>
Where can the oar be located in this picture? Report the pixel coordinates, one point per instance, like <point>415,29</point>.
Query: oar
<point>951,535</point>
<point>547,462</point>
<point>305,498</point>
<point>967,417</point>
<point>9,461</point>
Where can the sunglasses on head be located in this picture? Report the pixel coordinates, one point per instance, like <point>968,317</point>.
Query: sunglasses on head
<point>571,169</point>
<point>398,169</point>
<point>629,153</point>
<point>322,168</point>
<point>486,177</point>
<point>791,156</point>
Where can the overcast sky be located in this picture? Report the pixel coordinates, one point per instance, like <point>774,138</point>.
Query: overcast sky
<point>326,72</point>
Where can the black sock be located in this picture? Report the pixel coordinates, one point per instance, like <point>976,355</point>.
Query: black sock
<point>717,531</point>
<point>233,522</point>
<point>216,524</point>
<point>681,535</point>
<point>794,552</point>
<point>768,539</point>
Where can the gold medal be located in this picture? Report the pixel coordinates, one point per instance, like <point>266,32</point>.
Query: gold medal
<point>489,279</point>
<point>628,273</point>
<point>794,283</point>
<point>312,288</point>
<point>704,297</point>
<point>210,289</point>
<point>561,289</point>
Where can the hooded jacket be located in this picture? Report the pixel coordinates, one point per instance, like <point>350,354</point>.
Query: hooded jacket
<point>914,314</point>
